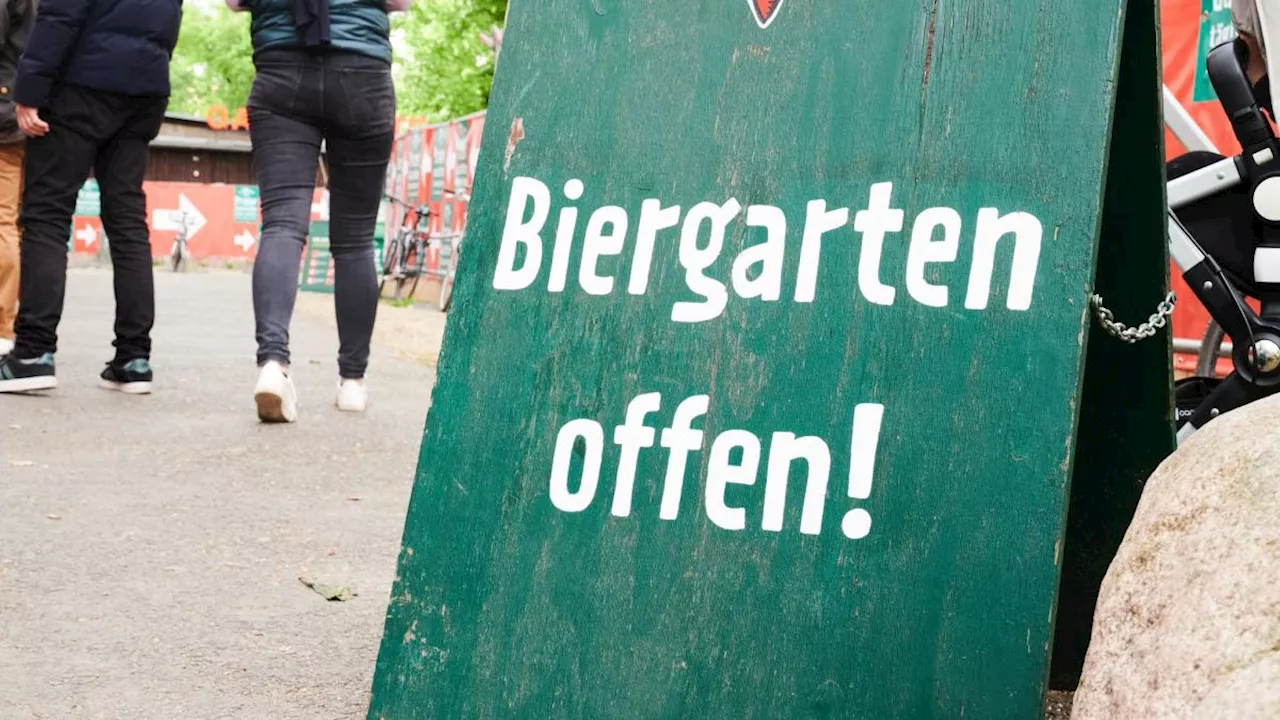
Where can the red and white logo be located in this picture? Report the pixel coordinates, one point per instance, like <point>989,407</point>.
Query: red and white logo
<point>764,10</point>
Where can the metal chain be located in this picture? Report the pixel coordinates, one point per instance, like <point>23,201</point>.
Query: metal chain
<point>1132,335</point>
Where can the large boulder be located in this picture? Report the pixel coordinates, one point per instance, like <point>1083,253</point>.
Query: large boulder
<point>1188,621</point>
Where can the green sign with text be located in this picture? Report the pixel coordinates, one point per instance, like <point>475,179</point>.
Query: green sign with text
<point>766,378</point>
<point>246,204</point>
<point>1216,27</point>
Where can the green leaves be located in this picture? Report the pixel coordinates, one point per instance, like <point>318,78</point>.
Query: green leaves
<point>442,67</point>
<point>213,63</point>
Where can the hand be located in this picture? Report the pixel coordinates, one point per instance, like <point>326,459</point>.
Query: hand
<point>30,123</point>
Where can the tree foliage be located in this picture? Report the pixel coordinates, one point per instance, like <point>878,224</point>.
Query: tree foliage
<point>443,69</point>
<point>213,63</point>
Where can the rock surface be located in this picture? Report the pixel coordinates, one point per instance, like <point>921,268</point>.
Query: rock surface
<point>1188,622</point>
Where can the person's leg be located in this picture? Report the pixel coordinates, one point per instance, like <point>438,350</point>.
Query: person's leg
<point>10,200</point>
<point>360,101</point>
<point>286,152</point>
<point>120,169</point>
<point>56,165</point>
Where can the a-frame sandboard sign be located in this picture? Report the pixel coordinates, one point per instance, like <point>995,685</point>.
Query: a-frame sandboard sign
<point>766,378</point>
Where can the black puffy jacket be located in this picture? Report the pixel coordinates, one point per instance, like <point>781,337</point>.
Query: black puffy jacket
<point>120,46</point>
<point>16,18</point>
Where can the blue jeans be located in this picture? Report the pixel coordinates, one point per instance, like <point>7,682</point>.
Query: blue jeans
<point>298,100</point>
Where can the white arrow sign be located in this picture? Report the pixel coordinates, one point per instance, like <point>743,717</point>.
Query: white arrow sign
<point>87,235</point>
<point>173,220</point>
<point>245,240</point>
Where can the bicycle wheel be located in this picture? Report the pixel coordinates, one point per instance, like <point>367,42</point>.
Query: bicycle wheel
<point>414,262</point>
<point>446,293</point>
<point>390,263</point>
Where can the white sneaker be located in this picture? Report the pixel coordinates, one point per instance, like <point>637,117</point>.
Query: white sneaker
<point>353,395</point>
<point>6,346</point>
<point>276,398</point>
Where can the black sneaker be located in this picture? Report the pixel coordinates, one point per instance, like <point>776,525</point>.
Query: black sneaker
<point>131,378</point>
<point>25,375</point>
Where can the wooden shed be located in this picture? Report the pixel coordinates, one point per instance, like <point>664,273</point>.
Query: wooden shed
<point>189,150</point>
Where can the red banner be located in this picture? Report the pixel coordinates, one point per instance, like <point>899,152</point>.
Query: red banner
<point>222,221</point>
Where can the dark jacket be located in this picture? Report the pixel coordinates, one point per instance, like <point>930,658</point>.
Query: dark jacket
<point>119,46</point>
<point>358,26</point>
<point>16,19</point>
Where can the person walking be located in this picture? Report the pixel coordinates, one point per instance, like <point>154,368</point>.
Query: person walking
<point>323,76</point>
<point>91,92</point>
<point>16,18</point>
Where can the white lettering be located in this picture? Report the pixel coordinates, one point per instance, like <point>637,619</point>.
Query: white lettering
<point>721,473</point>
<point>632,436</point>
<point>681,439</point>
<point>785,449</point>
<point>697,259</point>
<point>769,255</point>
<point>925,250</point>
<point>818,222</point>
<point>653,219</point>
<point>734,459</point>
<point>757,271</point>
<point>590,432</point>
<point>1027,236</point>
<point>516,232</point>
<point>565,230</point>
<point>878,219</point>
<point>599,244</point>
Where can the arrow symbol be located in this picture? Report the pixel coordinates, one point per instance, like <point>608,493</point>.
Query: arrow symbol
<point>244,240</point>
<point>173,219</point>
<point>87,235</point>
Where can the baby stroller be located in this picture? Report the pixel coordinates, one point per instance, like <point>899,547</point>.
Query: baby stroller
<point>1224,234</point>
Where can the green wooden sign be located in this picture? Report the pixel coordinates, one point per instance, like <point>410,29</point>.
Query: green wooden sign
<point>766,379</point>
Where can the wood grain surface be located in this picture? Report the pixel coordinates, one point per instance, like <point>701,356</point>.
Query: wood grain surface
<point>508,605</point>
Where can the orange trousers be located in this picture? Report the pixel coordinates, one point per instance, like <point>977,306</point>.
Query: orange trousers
<point>10,237</point>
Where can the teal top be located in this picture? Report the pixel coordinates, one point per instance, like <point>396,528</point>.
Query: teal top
<point>358,26</point>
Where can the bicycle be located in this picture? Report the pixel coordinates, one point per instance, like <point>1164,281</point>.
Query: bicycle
<point>405,256</point>
<point>178,253</point>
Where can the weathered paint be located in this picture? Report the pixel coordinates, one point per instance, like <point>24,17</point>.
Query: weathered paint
<point>522,594</point>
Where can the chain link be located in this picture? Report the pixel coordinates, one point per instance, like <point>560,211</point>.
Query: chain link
<point>1132,335</point>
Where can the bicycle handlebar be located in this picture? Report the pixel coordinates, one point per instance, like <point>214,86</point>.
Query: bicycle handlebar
<point>420,209</point>
<point>423,209</point>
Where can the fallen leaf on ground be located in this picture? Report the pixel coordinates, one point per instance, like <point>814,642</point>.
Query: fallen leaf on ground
<point>332,593</point>
<point>51,516</point>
